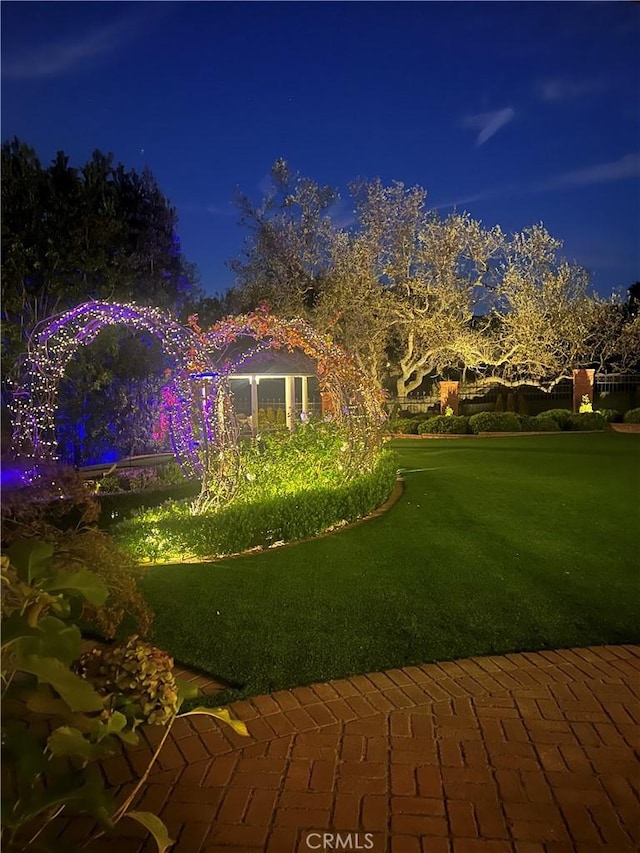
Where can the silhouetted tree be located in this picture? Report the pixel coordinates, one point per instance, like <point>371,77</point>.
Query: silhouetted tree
<point>97,232</point>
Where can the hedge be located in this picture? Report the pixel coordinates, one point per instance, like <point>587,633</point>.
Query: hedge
<point>171,532</point>
<point>445,425</point>
<point>495,422</point>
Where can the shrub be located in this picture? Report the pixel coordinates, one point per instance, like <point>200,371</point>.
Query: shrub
<point>527,423</point>
<point>542,424</point>
<point>494,422</point>
<point>445,425</point>
<point>632,416</point>
<point>559,416</point>
<point>172,532</point>
<point>404,426</point>
<point>121,505</point>
<point>610,415</point>
<point>586,421</point>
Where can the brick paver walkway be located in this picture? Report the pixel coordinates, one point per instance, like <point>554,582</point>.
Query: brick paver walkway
<point>526,753</point>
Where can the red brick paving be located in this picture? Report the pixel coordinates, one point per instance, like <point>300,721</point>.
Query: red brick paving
<point>526,753</point>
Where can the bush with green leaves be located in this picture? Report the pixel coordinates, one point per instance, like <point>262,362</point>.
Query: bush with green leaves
<point>559,416</point>
<point>495,422</point>
<point>404,426</point>
<point>542,424</point>
<point>62,712</point>
<point>116,507</point>
<point>57,508</point>
<point>586,421</point>
<point>445,425</point>
<point>632,416</point>
<point>611,416</point>
<point>263,516</point>
<point>531,423</point>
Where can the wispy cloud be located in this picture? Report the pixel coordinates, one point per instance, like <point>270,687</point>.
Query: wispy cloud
<point>565,89</point>
<point>58,57</point>
<point>73,51</point>
<point>489,123</point>
<point>470,199</point>
<point>625,168</point>
<point>602,173</point>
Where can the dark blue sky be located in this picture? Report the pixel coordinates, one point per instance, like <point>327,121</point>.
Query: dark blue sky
<point>516,112</point>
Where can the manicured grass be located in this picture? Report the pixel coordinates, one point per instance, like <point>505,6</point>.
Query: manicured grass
<point>497,545</point>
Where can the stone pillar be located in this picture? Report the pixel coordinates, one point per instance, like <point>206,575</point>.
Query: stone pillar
<point>449,396</point>
<point>253,382</point>
<point>289,399</point>
<point>582,386</point>
<point>305,394</point>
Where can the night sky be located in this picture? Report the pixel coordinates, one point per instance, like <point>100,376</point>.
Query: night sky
<point>515,112</point>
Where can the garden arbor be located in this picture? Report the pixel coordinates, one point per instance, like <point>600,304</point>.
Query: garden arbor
<point>198,410</point>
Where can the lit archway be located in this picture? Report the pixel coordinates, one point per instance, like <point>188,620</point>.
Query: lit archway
<point>53,345</point>
<point>199,418</point>
<point>349,396</point>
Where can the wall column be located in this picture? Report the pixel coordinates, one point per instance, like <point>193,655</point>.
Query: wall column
<point>583,386</point>
<point>289,399</point>
<point>449,396</point>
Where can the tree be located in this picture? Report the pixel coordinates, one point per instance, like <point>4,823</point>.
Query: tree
<point>70,235</point>
<point>436,271</point>
<point>412,295</point>
<point>543,314</point>
<point>287,253</point>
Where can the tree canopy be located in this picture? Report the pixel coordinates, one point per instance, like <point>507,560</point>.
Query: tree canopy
<point>413,295</point>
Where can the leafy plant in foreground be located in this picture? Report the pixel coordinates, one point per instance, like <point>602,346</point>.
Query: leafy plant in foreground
<point>63,713</point>
<point>57,508</point>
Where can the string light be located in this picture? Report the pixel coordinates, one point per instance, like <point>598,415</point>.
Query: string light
<point>198,410</point>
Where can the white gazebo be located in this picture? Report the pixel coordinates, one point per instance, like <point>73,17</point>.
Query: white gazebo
<point>294,369</point>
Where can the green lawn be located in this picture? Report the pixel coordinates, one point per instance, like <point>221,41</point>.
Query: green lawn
<point>497,545</point>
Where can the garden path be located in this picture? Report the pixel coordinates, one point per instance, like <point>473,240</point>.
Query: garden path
<point>522,753</point>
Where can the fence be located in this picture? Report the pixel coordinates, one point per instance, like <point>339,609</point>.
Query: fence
<point>611,391</point>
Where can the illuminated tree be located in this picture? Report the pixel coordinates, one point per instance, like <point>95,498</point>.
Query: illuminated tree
<point>411,295</point>
<point>436,273</point>
<point>544,314</point>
